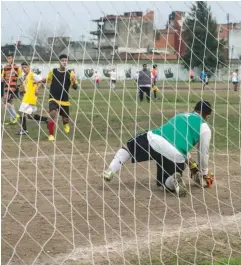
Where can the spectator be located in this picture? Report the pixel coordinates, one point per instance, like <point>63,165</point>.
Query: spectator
<point>113,78</point>
<point>97,79</point>
<point>144,83</point>
<point>203,79</point>
<point>191,74</point>
<point>235,80</point>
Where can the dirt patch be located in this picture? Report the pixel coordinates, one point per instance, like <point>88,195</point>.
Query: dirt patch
<point>57,209</point>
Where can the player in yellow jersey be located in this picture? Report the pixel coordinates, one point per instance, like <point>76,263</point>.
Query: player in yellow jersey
<point>30,90</point>
<point>60,80</point>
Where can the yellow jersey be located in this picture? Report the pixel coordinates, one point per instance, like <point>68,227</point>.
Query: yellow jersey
<point>30,88</point>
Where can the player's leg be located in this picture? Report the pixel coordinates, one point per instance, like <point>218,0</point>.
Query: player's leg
<point>204,84</point>
<point>169,174</point>
<point>154,91</point>
<point>64,112</point>
<point>236,86</point>
<point>138,149</point>
<point>141,93</point>
<point>23,122</point>
<point>173,177</point>
<point>32,116</point>
<point>14,96</point>
<point>120,158</point>
<point>8,103</point>
<point>113,84</point>
<point>23,125</point>
<point>148,93</point>
<point>97,82</point>
<point>53,109</point>
<point>38,118</point>
<point>27,110</point>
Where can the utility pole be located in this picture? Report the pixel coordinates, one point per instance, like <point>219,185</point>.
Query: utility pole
<point>228,37</point>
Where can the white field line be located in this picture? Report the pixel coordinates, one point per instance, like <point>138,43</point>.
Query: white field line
<point>83,154</point>
<point>217,223</point>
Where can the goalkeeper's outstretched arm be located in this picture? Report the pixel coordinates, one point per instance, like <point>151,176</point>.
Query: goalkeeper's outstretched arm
<point>203,148</point>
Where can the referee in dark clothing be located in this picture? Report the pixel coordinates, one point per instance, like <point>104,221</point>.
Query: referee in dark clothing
<point>144,83</point>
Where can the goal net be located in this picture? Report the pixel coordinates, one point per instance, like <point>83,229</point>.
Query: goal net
<point>56,206</point>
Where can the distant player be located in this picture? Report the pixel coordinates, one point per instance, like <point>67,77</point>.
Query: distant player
<point>136,76</point>
<point>235,80</point>
<point>97,79</point>
<point>203,79</point>
<point>60,80</point>
<point>169,146</point>
<point>144,83</point>
<point>191,75</point>
<point>30,90</point>
<point>2,84</point>
<point>154,78</point>
<point>10,74</point>
<point>113,78</point>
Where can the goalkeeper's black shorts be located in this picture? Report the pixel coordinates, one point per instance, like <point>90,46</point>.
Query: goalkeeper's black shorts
<point>141,151</point>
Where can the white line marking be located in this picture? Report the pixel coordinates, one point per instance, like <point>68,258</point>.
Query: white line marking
<point>216,224</point>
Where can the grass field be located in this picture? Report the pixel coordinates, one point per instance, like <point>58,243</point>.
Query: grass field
<point>118,116</point>
<point>57,210</point>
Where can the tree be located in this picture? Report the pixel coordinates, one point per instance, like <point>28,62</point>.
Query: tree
<point>39,35</point>
<point>203,49</point>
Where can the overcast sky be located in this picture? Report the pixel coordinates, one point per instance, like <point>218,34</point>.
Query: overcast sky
<point>75,17</point>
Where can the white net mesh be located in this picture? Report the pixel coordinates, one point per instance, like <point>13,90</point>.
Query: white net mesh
<point>56,208</point>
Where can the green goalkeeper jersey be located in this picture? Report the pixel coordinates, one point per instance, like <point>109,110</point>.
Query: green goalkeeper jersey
<point>182,131</point>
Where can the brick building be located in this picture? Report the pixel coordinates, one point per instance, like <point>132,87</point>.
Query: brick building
<point>124,35</point>
<point>170,38</point>
<point>168,44</point>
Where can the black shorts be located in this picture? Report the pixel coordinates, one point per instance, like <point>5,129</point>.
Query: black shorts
<point>141,151</point>
<point>235,83</point>
<point>204,82</point>
<point>113,81</point>
<point>63,110</point>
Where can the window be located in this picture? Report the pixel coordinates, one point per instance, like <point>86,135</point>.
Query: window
<point>109,25</point>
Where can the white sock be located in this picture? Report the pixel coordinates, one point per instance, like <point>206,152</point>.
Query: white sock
<point>13,111</point>
<point>170,183</point>
<point>121,157</point>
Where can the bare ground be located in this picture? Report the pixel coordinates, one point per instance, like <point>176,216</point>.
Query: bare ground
<point>57,210</point>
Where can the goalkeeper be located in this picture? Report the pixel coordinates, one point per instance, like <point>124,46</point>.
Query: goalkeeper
<point>169,146</point>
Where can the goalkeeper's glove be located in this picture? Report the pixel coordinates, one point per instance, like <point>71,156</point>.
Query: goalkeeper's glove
<point>209,178</point>
<point>193,166</point>
<point>197,177</point>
